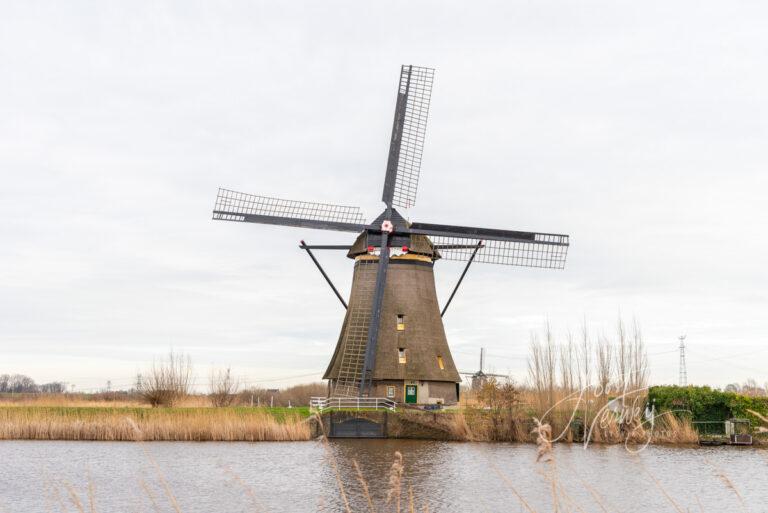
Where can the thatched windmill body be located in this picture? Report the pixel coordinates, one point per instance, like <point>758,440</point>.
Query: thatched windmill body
<point>392,342</point>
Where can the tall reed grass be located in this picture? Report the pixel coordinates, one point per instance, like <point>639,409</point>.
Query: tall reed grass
<point>177,424</point>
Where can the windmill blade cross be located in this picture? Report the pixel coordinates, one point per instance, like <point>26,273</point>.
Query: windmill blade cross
<point>408,130</point>
<point>381,281</point>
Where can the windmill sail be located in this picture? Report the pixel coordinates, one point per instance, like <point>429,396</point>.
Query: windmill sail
<point>239,206</point>
<point>506,247</point>
<point>408,131</point>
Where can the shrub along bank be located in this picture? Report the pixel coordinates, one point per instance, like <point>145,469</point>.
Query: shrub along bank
<point>707,404</point>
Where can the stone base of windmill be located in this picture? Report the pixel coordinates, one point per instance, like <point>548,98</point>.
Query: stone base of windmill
<point>383,424</point>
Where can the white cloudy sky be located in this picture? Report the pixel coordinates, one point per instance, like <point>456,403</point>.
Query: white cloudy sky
<point>639,128</point>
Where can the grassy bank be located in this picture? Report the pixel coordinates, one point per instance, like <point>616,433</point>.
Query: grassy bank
<point>153,424</point>
<point>293,424</point>
<point>515,426</point>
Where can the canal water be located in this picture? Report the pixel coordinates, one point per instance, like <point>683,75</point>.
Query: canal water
<point>55,476</point>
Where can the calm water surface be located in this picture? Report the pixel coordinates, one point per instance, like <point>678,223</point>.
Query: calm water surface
<point>300,476</point>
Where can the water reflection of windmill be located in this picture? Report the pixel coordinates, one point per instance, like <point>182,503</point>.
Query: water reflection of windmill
<point>392,341</point>
<point>480,377</point>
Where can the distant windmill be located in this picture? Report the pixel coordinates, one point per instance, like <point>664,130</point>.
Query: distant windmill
<point>478,378</point>
<point>392,341</point>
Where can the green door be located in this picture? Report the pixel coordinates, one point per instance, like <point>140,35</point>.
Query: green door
<point>410,394</point>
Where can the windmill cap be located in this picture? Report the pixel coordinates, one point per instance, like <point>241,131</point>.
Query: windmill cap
<point>415,244</point>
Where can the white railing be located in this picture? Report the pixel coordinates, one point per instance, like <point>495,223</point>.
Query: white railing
<point>351,403</point>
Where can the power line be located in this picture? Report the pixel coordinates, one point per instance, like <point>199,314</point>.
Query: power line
<point>683,378</point>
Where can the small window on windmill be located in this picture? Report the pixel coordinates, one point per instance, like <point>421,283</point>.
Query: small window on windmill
<point>440,363</point>
<point>390,392</point>
<point>400,322</point>
<point>401,355</point>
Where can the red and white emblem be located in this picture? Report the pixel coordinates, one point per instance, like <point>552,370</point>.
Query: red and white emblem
<point>387,226</point>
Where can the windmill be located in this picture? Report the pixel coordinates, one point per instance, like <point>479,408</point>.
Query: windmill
<point>392,341</point>
<point>478,378</point>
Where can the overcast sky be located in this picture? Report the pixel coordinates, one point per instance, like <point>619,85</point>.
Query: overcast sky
<point>639,128</point>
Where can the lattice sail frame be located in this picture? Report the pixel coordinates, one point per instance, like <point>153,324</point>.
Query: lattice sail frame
<point>547,251</point>
<point>416,82</point>
<point>232,206</point>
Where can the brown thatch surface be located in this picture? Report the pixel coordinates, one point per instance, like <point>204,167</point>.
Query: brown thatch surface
<point>410,291</point>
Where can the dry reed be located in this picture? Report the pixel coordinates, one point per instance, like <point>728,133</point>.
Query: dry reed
<point>197,425</point>
<point>720,473</point>
<point>664,492</point>
<point>364,486</point>
<point>672,430</point>
<point>396,480</point>
<point>756,414</point>
<point>543,434</point>
<point>508,483</point>
<point>334,464</point>
<point>247,489</point>
<point>139,436</point>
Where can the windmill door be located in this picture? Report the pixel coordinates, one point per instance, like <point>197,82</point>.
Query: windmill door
<point>410,394</point>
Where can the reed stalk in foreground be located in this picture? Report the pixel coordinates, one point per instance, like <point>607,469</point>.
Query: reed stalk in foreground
<point>396,480</point>
<point>720,473</point>
<point>664,492</point>
<point>364,486</point>
<point>334,464</point>
<point>511,486</point>
<point>543,434</point>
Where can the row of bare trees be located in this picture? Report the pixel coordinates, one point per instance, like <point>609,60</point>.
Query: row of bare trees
<point>171,380</point>
<point>22,384</point>
<point>596,365</point>
<point>750,388</point>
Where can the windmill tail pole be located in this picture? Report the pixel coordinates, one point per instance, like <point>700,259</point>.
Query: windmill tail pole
<point>461,278</point>
<point>366,377</point>
<point>320,268</point>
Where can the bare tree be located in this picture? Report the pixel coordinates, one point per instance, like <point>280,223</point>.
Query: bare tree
<point>223,387</point>
<point>550,362</point>
<point>167,381</point>
<point>542,368</point>
<point>752,389</point>
<point>567,364</point>
<point>623,358</point>
<point>604,354</point>
<point>536,370</point>
<point>585,358</point>
<point>639,359</point>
